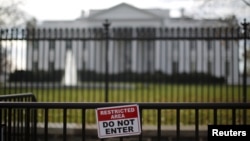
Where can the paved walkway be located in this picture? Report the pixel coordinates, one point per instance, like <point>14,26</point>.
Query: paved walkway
<point>147,130</point>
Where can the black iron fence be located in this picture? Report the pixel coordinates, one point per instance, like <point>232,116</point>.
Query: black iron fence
<point>158,130</point>
<point>127,64</point>
<point>17,123</point>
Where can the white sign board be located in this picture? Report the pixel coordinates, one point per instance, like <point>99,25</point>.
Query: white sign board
<point>118,121</point>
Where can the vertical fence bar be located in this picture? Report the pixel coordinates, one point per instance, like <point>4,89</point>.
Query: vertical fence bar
<point>215,113</point>
<point>196,71</point>
<point>1,132</point>
<point>214,61</point>
<point>64,124</point>
<point>5,123</point>
<point>1,125</point>
<point>140,136</point>
<point>43,58</point>
<point>197,124</point>
<point>106,31</point>
<point>1,69</point>
<point>34,117</point>
<point>37,35</point>
<point>233,116</point>
<point>60,61</point>
<point>19,121</point>
<point>221,61</point>
<point>245,24</point>
<point>11,32</point>
<point>14,123</point>
<point>83,124</point>
<point>9,118</point>
<point>159,124</point>
<point>178,60</point>
<point>27,124</point>
<point>46,120</point>
<point>178,124</point>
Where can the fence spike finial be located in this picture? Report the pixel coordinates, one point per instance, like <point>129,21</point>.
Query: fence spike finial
<point>106,24</point>
<point>245,23</point>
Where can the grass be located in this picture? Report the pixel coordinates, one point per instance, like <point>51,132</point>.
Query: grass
<point>142,93</point>
<point>139,93</point>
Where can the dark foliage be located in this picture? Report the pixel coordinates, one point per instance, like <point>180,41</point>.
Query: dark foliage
<point>35,76</point>
<point>158,77</point>
<point>86,76</point>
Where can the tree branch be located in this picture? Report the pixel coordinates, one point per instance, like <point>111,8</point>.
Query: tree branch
<point>246,2</point>
<point>10,14</point>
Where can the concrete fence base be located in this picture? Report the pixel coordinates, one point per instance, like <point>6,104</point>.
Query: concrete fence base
<point>149,133</point>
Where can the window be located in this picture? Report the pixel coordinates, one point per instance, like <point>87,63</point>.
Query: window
<point>68,45</point>
<point>83,65</point>
<point>35,45</point>
<point>51,66</point>
<point>52,45</point>
<point>209,67</point>
<point>35,66</point>
<point>227,68</point>
<point>175,67</point>
<point>192,45</point>
<point>175,45</point>
<point>209,46</point>
<point>51,50</point>
<point>83,45</point>
<point>193,67</point>
<point>224,43</point>
<point>127,55</point>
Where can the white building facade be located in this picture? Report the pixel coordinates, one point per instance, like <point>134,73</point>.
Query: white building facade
<point>216,57</point>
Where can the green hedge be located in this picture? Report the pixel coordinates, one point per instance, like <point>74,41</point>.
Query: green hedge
<point>38,76</point>
<point>86,76</point>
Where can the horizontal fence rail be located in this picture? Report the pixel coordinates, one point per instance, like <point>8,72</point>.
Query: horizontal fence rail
<point>123,33</point>
<point>232,115</point>
<point>23,97</point>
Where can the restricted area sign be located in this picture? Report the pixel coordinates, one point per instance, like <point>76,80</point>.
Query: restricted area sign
<point>118,121</point>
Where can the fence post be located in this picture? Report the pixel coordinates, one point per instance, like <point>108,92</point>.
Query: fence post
<point>106,25</point>
<point>245,24</point>
<point>1,132</point>
<point>1,127</point>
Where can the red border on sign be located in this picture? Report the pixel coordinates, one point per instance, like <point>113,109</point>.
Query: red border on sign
<point>108,113</point>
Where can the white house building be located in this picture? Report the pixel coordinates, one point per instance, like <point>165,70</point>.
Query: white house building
<point>217,57</point>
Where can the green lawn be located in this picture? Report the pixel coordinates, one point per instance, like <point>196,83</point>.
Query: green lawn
<point>137,93</point>
<point>142,93</point>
